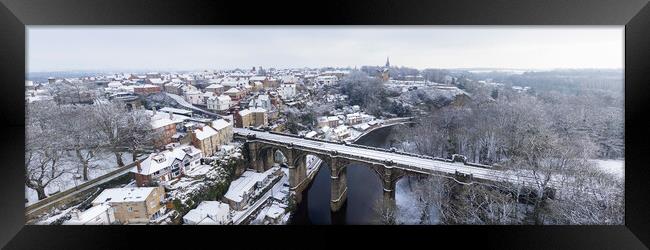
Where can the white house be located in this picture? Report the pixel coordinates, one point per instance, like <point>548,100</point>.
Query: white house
<point>341,131</point>
<point>261,101</point>
<point>166,165</point>
<point>287,90</point>
<point>102,214</point>
<point>353,118</point>
<point>327,80</point>
<point>218,103</point>
<point>194,97</point>
<point>209,213</point>
<point>215,88</point>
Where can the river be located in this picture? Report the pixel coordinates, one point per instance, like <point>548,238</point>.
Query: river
<point>364,190</point>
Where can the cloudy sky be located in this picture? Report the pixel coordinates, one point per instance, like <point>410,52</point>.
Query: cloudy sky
<point>57,48</point>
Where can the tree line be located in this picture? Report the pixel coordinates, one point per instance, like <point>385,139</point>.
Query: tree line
<point>550,134</point>
<point>56,132</point>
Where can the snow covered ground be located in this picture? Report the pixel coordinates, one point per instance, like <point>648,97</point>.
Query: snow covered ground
<point>408,208</point>
<point>613,167</point>
<point>103,163</point>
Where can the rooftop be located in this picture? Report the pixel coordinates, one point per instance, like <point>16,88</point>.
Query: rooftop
<point>176,111</point>
<point>130,194</point>
<point>208,213</point>
<point>158,161</point>
<point>220,124</point>
<point>204,132</point>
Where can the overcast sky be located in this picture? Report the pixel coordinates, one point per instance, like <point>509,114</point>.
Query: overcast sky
<point>52,48</point>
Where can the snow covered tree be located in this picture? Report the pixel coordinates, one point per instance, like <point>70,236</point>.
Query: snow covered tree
<point>109,119</point>
<point>43,148</point>
<point>139,137</point>
<point>368,92</point>
<point>78,134</point>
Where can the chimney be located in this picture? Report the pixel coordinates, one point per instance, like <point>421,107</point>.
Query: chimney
<point>137,164</point>
<point>171,116</point>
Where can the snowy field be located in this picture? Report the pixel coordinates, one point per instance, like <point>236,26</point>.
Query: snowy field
<point>613,167</point>
<point>102,164</point>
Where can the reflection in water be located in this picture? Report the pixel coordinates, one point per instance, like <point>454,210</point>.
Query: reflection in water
<point>364,189</point>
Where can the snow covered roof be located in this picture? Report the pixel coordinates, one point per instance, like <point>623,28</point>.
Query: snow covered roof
<point>220,124</point>
<point>88,215</point>
<point>362,126</point>
<point>258,110</point>
<point>114,84</point>
<point>224,98</point>
<point>156,80</point>
<point>258,78</point>
<point>232,91</point>
<point>275,211</point>
<point>176,111</point>
<point>238,188</point>
<point>204,132</point>
<point>340,129</point>
<point>332,118</point>
<point>325,129</point>
<point>311,134</point>
<point>353,115</point>
<point>147,86</point>
<point>214,86</point>
<point>245,183</point>
<point>245,112</point>
<point>161,119</point>
<point>208,213</point>
<point>158,161</point>
<point>127,194</point>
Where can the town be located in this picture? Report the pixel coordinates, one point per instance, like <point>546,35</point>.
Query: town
<point>191,118</point>
<point>161,147</point>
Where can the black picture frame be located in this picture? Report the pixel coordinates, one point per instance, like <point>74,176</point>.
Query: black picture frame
<point>634,14</point>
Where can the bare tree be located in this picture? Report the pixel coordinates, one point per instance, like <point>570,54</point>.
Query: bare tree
<point>78,134</point>
<point>386,213</point>
<point>43,149</point>
<point>108,117</point>
<point>139,137</point>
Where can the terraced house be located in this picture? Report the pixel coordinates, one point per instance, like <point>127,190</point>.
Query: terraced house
<point>166,165</point>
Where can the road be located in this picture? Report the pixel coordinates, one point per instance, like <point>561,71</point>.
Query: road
<point>407,162</point>
<point>184,103</point>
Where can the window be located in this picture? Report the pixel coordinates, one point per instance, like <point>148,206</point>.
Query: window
<point>130,209</point>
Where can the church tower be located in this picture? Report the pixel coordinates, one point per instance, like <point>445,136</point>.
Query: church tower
<point>385,72</point>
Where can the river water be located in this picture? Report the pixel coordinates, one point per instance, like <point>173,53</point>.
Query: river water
<point>364,190</point>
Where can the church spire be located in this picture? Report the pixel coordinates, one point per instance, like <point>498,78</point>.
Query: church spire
<point>387,63</point>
